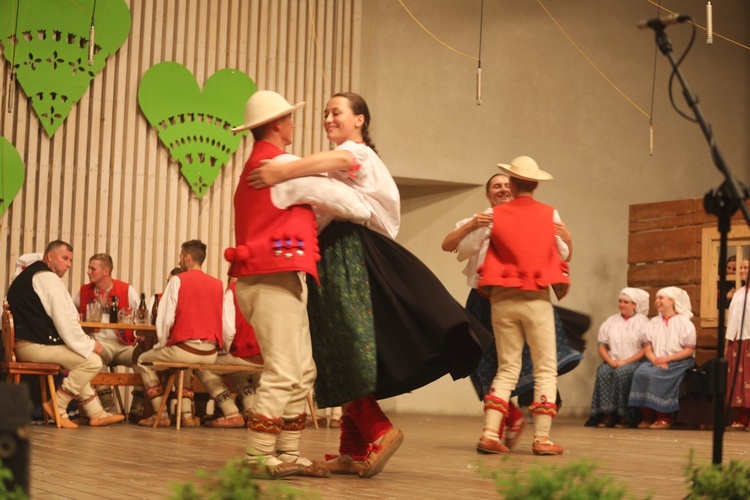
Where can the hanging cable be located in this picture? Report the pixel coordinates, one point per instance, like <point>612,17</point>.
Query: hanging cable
<point>653,91</point>
<point>479,59</point>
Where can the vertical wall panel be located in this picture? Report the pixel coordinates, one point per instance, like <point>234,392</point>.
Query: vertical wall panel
<point>105,183</point>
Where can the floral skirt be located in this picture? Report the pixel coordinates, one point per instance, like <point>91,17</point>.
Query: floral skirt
<point>569,329</point>
<point>612,390</point>
<point>381,322</point>
<point>738,379</point>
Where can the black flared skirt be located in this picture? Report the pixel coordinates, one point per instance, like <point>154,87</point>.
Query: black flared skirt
<point>381,322</point>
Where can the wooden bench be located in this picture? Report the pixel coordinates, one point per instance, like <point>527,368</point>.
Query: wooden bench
<point>179,369</point>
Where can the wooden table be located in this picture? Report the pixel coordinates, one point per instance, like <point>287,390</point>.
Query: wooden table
<point>119,378</point>
<point>91,325</point>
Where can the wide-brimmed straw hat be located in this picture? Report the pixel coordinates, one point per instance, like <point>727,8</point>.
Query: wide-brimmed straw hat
<point>263,107</point>
<point>526,168</point>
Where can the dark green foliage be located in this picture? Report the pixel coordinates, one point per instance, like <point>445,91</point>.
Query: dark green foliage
<point>572,481</point>
<point>6,478</point>
<point>731,481</point>
<point>235,482</point>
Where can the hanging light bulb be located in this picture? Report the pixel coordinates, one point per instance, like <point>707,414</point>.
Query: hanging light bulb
<point>479,84</point>
<point>651,139</point>
<point>709,24</point>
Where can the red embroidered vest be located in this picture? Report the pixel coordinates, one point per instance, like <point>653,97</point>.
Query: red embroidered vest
<point>269,239</point>
<point>523,252</point>
<point>119,290</point>
<point>199,305</point>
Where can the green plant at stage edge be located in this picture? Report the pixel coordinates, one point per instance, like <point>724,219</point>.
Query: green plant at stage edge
<point>731,481</point>
<point>6,478</point>
<point>570,481</point>
<point>235,482</point>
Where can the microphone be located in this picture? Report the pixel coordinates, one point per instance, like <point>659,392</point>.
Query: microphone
<point>659,23</point>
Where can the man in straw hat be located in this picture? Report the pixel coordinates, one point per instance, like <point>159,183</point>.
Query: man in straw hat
<point>525,257</point>
<point>276,245</point>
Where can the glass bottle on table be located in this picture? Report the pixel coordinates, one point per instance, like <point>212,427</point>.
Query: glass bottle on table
<point>141,314</point>
<point>114,310</point>
<point>106,309</point>
<point>155,309</point>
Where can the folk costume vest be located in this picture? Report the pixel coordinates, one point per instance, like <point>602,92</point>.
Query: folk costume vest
<point>119,290</point>
<point>269,239</point>
<point>245,344</point>
<point>29,316</point>
<point>523,252</point>
<point>199,306</point>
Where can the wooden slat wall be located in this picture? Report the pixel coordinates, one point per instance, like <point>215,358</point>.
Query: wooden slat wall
<point>105,183</point>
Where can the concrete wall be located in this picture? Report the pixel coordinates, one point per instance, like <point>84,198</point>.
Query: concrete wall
<point>542,98</point>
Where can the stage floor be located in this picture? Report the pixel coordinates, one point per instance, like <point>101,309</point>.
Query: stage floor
<point>436,460</point>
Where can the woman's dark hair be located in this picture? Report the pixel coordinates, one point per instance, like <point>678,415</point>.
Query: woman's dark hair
<point>359,107</point>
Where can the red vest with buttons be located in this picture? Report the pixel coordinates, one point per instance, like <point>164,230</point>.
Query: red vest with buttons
<point>119,290</point>
<point>270,239</point>
<point>523,252</point>
<point>200,301</point>
<point>245,343</point>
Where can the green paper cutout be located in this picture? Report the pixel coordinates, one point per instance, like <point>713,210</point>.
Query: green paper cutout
<point>12,174</point>
<point>196,126</point>
<point>52,49</point>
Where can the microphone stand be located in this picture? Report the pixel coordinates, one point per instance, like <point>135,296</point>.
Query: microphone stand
<point>722,202</point>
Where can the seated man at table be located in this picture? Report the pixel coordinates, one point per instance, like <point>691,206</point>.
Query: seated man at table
<point>157,296</point>
<point>47,331</point>
<point>117,345</point>
<point>188,328</point>
<point>240,348</point>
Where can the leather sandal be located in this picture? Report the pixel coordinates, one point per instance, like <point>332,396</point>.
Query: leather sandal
<point>341,464</point>
<point>381,452</point>
<point>65,422</point>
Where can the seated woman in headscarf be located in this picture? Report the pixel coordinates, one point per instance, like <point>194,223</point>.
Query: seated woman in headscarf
<point>670,347</point>
<point>621,348</point>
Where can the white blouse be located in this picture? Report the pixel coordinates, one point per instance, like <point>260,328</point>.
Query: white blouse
<point>734,323</point>
<point>623,337</point>
<point>669,337</point>
<point>371,178</point>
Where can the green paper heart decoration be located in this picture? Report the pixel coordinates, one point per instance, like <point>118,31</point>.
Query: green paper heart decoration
<point>196,126</point>
<point>49,42</point>
<point>12,174</point>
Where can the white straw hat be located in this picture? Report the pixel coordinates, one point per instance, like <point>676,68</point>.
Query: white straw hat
<point>526,168</point>
<point>263,107</point>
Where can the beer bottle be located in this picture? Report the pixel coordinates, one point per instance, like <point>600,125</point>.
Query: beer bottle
<point>142,312</point>
<point>155,309</point>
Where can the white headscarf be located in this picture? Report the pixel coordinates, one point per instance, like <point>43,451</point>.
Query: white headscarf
<point>681,300</point>
<point>639,297</point>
